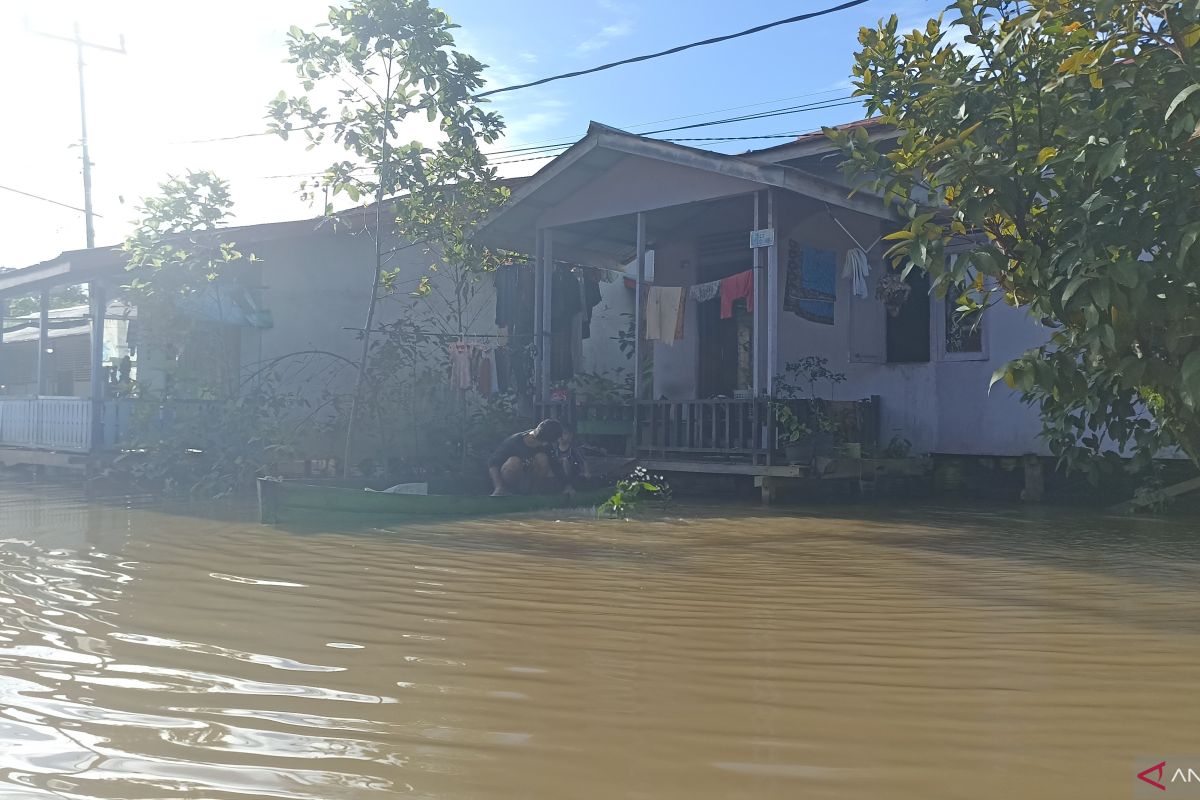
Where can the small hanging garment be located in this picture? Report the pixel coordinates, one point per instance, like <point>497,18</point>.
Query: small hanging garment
<point>483,373</point>
<point>679,318</point>
<point>737,287</point>
<point>703,292</point>
<point>460,365</point>
<point>857,270</point>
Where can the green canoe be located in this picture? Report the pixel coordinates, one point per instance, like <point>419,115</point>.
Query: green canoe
<point>294,501</point>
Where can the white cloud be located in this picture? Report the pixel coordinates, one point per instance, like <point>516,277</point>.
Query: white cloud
<point>605,36</point>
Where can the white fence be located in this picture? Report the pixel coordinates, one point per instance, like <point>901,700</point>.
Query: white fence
<point>52,423</point>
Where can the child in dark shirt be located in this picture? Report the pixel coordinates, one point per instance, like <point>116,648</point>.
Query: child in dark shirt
<point>528,462</point>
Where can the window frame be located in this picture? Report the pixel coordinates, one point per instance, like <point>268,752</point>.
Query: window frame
<point>939,325</point>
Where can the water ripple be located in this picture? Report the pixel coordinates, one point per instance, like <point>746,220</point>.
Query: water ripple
<point>852,654</point>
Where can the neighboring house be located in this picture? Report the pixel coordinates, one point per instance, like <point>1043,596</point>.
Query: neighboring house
<point>297,310</point>
<point>921,375</point>
<point>66,362</point>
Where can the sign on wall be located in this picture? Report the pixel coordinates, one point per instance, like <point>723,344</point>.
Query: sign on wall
<point>762,238</point>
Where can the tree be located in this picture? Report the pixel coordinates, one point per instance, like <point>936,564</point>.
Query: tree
<point>207,432</point>
<point>382,63</point>
<point>60,297</point>
<point>175,253</point>
<point>1060,138</point>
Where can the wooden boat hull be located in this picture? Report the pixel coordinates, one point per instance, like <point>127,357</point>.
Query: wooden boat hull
<point>291,501</point>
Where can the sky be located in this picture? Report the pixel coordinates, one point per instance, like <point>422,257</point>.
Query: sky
<point>203,71</point>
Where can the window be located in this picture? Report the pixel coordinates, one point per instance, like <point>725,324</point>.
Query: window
<point>908,331</point>
<point>964,329</point>
<point>963,334</point>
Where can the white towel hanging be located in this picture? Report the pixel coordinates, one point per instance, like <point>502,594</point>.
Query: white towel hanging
<point>857,269</point>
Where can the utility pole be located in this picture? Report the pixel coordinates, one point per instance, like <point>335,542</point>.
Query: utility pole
<point>79,43</point>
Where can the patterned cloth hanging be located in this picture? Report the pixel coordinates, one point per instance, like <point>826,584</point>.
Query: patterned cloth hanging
<point>810,290</point>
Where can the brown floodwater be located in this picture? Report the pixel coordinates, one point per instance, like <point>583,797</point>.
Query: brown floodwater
<point>719,653</point>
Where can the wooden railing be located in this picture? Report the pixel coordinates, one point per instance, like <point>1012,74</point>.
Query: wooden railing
<point>734,430</point>
<point>49,423</point>
<point>729,430</point>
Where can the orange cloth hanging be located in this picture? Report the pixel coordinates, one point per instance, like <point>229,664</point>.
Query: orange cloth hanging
<point>737,287</point>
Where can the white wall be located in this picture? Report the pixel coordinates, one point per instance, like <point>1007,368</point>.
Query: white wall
<point>943,406</point>
<point>318,286</point>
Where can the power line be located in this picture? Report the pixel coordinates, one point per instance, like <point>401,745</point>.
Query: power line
<point>48,200</point>
<point>550,150</point>
<point>633,125</point>
<point>673,50</point>
<point>554,149</point>
<point>824,104</point>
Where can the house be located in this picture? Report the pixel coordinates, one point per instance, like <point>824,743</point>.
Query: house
<point>295,312</point>
<point>774,227</point>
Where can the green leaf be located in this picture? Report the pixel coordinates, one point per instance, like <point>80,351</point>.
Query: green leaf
<point>1045,154</point>
<point>1191,375</point>
<point>1072,288</point>
<point>1110,159</point>
<point>1188,236</point>
<point>1179,98</point>
<point>1126,274</point>
<point>1108,337</point>
<point>1095,201</point>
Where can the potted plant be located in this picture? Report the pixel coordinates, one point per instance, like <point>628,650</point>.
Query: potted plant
<point>794,435</point>
<point>893,291</point>
<point>815,435</point>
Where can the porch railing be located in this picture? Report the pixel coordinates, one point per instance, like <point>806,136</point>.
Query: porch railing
<point>728,430</point>
<point>50,423</point>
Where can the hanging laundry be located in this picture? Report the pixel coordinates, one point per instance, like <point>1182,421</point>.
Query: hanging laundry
<point>811,287</point>
<point>737,287</point>
<point>591,299</point>
<point>502,367</point>
<point>857,270</point>
<point>483,373</point>
<point>703,292</point>
<point>460,365</point>
<point>663,311</point>
<point>566,306</point>
<point>679,317</point>
<point>508,300</point>
<point>494,373</point>
<point>565,300</point>
<point>793,279</point>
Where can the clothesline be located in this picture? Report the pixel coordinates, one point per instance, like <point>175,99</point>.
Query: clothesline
<point>850,235</point>
<point>453,335</point>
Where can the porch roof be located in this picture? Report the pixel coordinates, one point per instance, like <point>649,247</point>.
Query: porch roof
<point>512,226</point>
<point>102,263</point>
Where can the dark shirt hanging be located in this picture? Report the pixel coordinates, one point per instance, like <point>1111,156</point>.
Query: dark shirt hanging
<point>591,299</point>
<point>508,300</point>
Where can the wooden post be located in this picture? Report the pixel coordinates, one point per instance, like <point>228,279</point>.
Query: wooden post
<point>538,344</point>
<point>43,341</point>
<point>99,305</point>
<point>756,324</point>
<point>769,296</point>
<point>1035,482</point>
<point>547,309</point>
<point>639,312</point>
